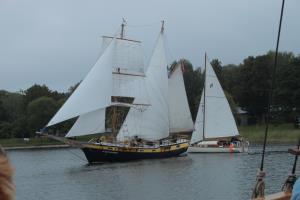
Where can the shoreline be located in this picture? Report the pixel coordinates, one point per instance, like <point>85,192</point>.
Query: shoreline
<point>53,146</point>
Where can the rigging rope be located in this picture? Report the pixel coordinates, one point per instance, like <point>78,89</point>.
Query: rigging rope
<point>78,156</point>
<point>143,26</point>
<point>258,191</point>
<point>270,100</point>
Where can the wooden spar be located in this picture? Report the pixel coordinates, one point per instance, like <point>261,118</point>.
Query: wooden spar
<point>127,74</point>
<point>72,143</point>
<point>122,104</point>
<point>118,38</point>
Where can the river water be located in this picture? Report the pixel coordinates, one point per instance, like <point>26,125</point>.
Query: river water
<point>63,174</point>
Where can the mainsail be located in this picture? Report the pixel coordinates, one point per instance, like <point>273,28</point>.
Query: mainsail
<point>215,115</point>
<point>153,122</point>
<point>219,121</point>
<point>179,111</point>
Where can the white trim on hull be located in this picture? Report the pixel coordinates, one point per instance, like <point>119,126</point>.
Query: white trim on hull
<point>196,149</point>
<point>218,147</point>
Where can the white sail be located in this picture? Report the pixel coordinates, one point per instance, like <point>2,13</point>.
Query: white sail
<point>128,69</point>
<point>179,112</point>
<point>89,123</point>
<point>152,123</point>
<point>198,132</point>
<point>130,86</point>
<point>219,121</point>
<point>129,56</point>
<point>93,93</point>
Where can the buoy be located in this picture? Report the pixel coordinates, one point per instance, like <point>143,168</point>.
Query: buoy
<point>231,146</point>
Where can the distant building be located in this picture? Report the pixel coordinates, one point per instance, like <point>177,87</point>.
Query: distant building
<point>242,117</point>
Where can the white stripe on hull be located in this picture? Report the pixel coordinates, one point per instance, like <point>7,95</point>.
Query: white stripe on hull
<point>215,150</point>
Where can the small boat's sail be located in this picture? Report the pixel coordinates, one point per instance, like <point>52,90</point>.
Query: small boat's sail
<point>218,119</point>
<point>179,112</point>
<point>214,112</point>
<point>198,132</point>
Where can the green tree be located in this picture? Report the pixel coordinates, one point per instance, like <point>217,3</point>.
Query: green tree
<point>3,114</point>
<point>193,80</point>
<point>217,66</point>
<point>36,91</point>
<point>5,130</point>
<point>39,113</point>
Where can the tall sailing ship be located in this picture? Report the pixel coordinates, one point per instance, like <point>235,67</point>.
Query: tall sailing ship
<point>215,127</point>
<point>133,105</point>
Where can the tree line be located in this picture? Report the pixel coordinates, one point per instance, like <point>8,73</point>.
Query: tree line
<point>246,85</point>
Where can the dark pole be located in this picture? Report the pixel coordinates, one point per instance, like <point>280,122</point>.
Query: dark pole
<point>271,90</point>
<point>296,158</point>
<point>205,60</point>
<point>122,29</point>
<point>162,26</point>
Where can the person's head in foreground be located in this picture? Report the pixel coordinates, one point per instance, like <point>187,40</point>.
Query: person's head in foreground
<point>7,188</point>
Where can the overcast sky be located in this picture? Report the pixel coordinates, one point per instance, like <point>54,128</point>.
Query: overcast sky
<point>56,42</point>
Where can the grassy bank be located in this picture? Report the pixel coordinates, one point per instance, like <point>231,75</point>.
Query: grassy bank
<point>282,133</point>
<point>19,142</point>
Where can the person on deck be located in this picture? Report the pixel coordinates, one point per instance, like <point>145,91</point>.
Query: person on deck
<point>7,188</point>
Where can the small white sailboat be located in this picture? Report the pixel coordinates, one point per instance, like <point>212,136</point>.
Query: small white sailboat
<point>215,127</point>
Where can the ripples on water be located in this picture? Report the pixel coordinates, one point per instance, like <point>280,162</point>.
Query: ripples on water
<point>58,174</point>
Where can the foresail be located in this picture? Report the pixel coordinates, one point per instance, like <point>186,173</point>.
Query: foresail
<point>89,123</point>
<point>179,111</point>
<point>93,93</point>
<point>198,132</point>
<point>153,122</point>
<point>219,121</point>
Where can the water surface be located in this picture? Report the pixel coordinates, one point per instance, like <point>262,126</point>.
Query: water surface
<point>63,174</point>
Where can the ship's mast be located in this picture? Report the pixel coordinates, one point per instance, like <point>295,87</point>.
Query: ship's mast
<point>114,113</point>
<point>162,26</point>
<point>122,34</point>
<point>204,97</point>
<point>113,118</point>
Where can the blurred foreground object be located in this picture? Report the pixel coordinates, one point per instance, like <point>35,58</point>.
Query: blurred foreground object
<point>7,188</point>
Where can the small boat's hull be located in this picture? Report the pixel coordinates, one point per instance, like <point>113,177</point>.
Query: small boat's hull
<point>104,153</point>
<point>195,149</point>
